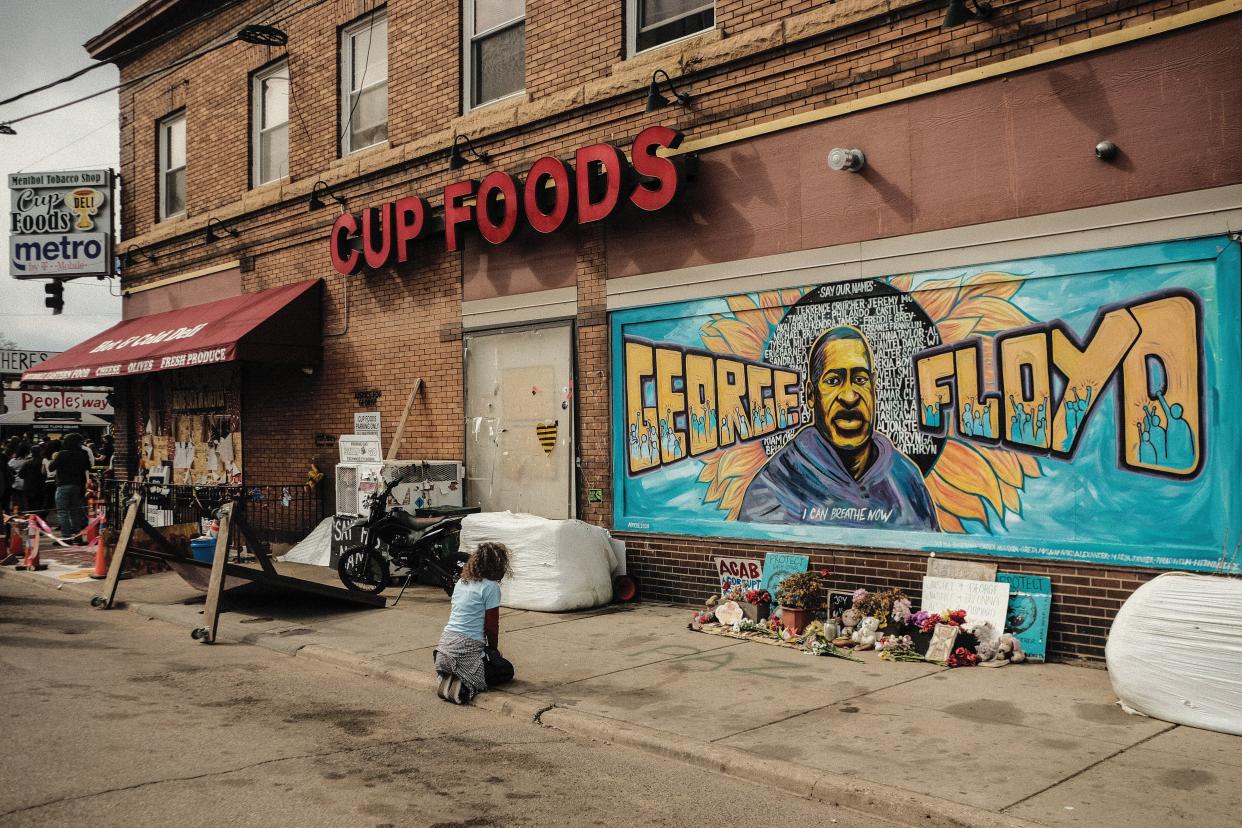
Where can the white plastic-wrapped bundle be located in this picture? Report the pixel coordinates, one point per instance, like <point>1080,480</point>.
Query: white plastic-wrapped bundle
<point>315,548</point>
<point>1175,651</point>
<point>558,565</point>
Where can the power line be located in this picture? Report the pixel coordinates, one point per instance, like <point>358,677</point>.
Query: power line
<point>146,44</point>
<point>176,64</point>
<point>77,140</point>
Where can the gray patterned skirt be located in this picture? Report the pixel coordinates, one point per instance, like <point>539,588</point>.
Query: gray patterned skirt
<point>463,657</point>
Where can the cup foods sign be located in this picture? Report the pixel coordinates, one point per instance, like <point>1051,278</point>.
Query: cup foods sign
<point>60,224</point>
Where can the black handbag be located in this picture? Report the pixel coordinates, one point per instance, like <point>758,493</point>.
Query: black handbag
<point>497,669</point>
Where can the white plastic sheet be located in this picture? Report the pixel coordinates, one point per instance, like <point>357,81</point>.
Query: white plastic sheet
<point>315,548</point>
<point>1175,651</point>
<point>558,565</point>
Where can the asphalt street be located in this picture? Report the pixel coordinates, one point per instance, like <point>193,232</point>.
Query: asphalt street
<point>114,719</point>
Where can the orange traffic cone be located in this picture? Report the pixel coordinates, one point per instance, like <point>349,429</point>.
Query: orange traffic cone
<point>91,532</point>
<point>31,563</point>
<point>101,558</point>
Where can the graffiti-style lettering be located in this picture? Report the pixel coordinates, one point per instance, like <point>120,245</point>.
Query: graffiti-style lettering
<point>1049,383</point>
<point>682,403</point>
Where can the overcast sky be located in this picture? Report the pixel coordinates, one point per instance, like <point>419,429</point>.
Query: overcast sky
<point>41,40</point>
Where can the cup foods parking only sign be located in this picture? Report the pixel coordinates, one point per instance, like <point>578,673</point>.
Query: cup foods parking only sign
<point>60,224</point>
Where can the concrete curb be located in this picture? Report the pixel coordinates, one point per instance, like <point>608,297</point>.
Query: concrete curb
<point>894,804</point>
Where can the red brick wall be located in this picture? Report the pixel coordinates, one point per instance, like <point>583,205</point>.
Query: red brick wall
<point>1084,598</point>
<point>405,322</point>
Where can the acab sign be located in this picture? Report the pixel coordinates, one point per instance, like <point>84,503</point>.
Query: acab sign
<point>60,224</point>
<point>553,194</point>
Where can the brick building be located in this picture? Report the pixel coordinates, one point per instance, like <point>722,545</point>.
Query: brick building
<point>1065,313</point>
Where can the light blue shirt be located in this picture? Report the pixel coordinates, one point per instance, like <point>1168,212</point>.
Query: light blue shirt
<point>471,600</point>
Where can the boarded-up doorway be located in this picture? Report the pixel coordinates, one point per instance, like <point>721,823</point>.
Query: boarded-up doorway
<point>519,421</point>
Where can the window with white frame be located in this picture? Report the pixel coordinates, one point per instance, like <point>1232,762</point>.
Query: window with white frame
<point>652,22</point>
<point>172,165</point>
<point>269,129</point>
<point>364,83</point>
<point>494,59</point>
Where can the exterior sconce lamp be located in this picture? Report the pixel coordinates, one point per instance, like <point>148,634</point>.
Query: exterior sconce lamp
<point>957,13</point>
<point>457,158</point>
<point>657,101</point>
<point>5,129</point>
<point>1106,150</point>
<point>259,35</point>
<point>218,231</point>
<point>846,160</point>
<point>321,188</point>
<point>134,252</point>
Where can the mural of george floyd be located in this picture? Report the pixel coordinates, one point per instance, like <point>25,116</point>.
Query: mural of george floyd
<point>1069,408</point>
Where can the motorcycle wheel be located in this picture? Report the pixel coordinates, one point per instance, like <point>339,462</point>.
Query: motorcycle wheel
<point>363,570</point>
<point>454,562</point>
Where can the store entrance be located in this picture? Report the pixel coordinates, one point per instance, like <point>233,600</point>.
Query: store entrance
<point>519,421</point>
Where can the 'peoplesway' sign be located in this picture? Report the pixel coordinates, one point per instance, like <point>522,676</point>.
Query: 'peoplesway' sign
<point>60,224</point>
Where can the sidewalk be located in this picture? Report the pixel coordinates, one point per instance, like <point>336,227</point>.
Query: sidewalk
<point>917,743</point>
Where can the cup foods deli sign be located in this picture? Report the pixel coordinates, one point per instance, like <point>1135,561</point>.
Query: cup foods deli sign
<point>60,224</point>
<point>601,181</point>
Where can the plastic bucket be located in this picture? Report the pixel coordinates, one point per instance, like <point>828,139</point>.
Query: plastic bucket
<point>203,549</point>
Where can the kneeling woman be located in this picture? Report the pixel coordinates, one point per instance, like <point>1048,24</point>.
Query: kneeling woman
<point>467,659</point>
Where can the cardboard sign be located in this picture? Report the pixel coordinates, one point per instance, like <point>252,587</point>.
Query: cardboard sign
<point>982,600</point>
<point>1030,605</point>
<point>778,566</point>
<point>367,422</point>
<point>743,572</point>
<point>360,448</point>
<point>963,570</point>
<point>943,640</point>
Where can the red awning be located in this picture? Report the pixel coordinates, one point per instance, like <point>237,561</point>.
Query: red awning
<point>276,325</point>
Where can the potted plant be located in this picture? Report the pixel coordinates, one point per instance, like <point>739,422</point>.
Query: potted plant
<point>800,596</point>
<point>757,604</point>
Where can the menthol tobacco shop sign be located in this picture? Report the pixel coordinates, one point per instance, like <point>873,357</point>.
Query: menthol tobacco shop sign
<point>60,224</point>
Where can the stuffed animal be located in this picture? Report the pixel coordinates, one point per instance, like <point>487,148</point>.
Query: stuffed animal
<point>712,601</point>
<point>867,633</point>
<point>1008,651</point>
<point>849,620</point>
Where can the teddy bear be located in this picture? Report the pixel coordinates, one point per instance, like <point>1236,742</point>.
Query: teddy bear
<point>849,620</point>
<point>866,634</point>
<point>1008,651</point>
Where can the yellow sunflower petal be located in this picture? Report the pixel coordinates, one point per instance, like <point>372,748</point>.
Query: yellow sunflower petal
<point>948,521</point>
<point>994,314</point>
<point>902,283</point>
<point>741,302</point>
<point>955,329</point>
<point>731,336</point>
<point>991,283</point>
<point>955,501</point>
<point>964,468</point>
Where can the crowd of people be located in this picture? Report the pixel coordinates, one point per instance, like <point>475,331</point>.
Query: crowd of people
<point>49,477</point>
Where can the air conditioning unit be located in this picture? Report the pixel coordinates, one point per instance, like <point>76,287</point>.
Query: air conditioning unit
<point>423,484</point>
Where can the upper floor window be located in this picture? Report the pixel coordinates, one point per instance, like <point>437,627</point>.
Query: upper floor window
<point>495,50</point>
<point>364,83</point>
<point>172,165</point>
<point>269,99</point>
<point>652,22</point>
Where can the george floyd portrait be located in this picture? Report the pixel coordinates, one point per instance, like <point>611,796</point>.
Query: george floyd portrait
<point>838,469</point>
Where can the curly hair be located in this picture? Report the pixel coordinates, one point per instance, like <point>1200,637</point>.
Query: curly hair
<point>490,562</point>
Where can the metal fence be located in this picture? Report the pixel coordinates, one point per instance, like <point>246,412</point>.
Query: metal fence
<point>278,513</point>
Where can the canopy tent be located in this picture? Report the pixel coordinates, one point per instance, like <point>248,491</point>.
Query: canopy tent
<point>280,325</point>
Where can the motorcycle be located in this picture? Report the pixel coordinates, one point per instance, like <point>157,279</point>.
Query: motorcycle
<point>428,547</point>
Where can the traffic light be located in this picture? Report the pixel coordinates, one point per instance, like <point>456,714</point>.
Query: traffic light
<point>55,298</point>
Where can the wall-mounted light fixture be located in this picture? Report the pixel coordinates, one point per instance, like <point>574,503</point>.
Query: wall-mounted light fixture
<point>260,35</point>
<point>322,188</point>
<point>957,13</point>
<point>5,129</point>
<point>657,101</point>
<point>217,230</point>
<point>133,253</point>
<point>457,158</point>
<point>1106,150</point>
<point>846,160</point>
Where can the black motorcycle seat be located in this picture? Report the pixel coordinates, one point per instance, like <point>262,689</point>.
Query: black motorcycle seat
<point>416,523</point>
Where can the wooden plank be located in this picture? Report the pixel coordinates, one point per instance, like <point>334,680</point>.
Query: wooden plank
<point>118,554</point>
<point>215,587</point>
<point>395,445</point>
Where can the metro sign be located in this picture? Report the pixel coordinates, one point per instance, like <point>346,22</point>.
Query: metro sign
<point>553,194</point>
